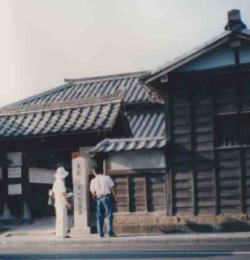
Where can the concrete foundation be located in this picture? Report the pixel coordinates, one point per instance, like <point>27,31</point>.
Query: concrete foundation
<point>139,223</point>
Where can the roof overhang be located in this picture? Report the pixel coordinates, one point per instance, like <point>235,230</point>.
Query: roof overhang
<point>128,144</point>
<point>79,116</point>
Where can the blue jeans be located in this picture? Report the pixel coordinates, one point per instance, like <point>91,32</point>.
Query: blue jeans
<point>104,208</point>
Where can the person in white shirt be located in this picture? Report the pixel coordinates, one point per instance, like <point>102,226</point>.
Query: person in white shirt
<point>61,202</point>
<point>102,189</point>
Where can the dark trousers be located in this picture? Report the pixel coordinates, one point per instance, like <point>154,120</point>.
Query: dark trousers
<point>104,208</point>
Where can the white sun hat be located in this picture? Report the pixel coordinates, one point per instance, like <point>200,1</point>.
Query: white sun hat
<point>61,173</point>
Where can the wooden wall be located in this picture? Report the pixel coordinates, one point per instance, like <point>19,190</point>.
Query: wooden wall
<point>207,175</point>
<point>142,192</point>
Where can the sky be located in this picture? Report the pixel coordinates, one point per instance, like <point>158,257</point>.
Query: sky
<point>45,41</point>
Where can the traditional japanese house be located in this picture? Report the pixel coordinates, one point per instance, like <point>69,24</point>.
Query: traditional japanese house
<point>197,169</point>
<point>207,94</point>
<point>206,177</point>
<point>41,132</point>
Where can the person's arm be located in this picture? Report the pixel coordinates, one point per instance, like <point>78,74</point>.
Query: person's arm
<point>66,200</point>
<point>113,193</point>
<point>111,187</point>
<point>93,189</point>
<point>93,195</point>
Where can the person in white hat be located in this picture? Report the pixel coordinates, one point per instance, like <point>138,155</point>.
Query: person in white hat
<point>61,202</point>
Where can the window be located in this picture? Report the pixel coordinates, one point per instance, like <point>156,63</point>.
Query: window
<point>231,130</point>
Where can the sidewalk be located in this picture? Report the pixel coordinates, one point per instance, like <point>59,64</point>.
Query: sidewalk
<point>41,234</point>
<point>49,240</point>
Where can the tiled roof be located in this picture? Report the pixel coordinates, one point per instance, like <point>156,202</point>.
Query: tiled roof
<point>127,85</point>
<point>73,118</point>
<point>147,123</point>
<point>128,144</point>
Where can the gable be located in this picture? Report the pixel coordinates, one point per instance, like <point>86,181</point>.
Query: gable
<point>213,54</point>
<point>245,53</point>
<point>221,57</point>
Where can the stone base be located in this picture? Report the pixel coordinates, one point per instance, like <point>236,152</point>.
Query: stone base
<point>75,231</point>
<point>161,223</point>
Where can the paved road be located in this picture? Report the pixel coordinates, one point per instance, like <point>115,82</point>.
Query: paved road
<point>230,251</point>
<point>205,255</point>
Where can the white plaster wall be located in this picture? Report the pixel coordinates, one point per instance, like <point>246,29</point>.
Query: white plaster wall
<point>245,54</point>
<point>40,175</point>
<point>16,158</point>
<point>143,159</point>
<point>214,59</point>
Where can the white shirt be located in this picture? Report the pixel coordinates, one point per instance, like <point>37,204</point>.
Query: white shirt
<point>101,185</point>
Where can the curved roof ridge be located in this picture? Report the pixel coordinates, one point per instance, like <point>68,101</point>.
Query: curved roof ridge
<point>135,139</point>
<point>71,84</point>
<point>106,77</point>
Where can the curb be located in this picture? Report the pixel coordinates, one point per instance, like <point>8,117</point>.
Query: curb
<point>50,241</point>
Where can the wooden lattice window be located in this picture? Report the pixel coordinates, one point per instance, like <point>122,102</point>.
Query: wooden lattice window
<point>231,130</point>
<point>140,193</point>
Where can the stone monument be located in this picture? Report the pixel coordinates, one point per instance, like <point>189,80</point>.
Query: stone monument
<point>81,168</point>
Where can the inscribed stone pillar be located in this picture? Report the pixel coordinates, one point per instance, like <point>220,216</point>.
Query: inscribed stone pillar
<point>80,175</point>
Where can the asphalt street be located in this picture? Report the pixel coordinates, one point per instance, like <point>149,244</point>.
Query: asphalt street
<point>230,251</point>
<point>133,255</point>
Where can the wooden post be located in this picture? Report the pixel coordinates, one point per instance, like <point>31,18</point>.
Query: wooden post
<point>169,135</point>
<point>216,179</point>
<point>146,194</point>
<point>6,211</point>
<point>193,148</point>
<point>129,197</point>
<point>26,189</point>
<point>169,194</point>
<point>241,150</point>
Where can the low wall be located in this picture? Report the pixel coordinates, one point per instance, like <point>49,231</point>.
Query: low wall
<point>160,223</point>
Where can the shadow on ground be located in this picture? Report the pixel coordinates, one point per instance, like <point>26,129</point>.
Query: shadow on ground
<point>229,225</point>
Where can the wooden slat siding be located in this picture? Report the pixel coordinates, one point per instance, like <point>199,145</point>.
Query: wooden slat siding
<point>193,145</point>
<point>169,119</point>
<point>181,152</point>
<point>4,181</point>
<point>245,97</point>
<point>242,151</point>
<point>142,193</point>
<point>204,156</point>
<point>230,174</point>
<point>247,180</point>
<point>226,96</point>
<point>25,180</point>
<point>242,181</point>
<point>227,100</point>
<point>121,187</point>
<point>167,187</point>
<point>137,194</point>
<point>129,194</point>
<point>156,191</point>
<point>146,194</point>
<point>170,193</point>
<point>230,191</point>
<point>215,166</point>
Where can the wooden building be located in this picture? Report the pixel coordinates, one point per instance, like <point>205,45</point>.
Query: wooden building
<point>207,112</point>
<point>175,140</point>
<point>207,94</point>
<point>54,127</point>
